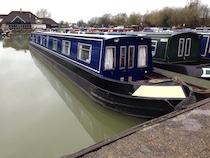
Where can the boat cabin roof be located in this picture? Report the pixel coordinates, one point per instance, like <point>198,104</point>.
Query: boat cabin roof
<point>171,33</point>
<point>206,33</point>
<point>99,36</point>
<point>166,34</point>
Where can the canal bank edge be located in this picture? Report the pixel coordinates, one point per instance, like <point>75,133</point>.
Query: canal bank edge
<point>180,133</point>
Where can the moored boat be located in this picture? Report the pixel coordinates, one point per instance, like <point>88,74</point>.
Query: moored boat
<point>114,70</point>
<point>179,52</point>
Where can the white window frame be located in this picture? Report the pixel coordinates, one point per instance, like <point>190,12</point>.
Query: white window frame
<point>142,56</point>
<point>34,38</point>
<point>181,47</point>
<point>154,46</point>
<point>129,48</point>
<point>82,50</point>
<point>44,41</point>
<point>47,41</point>
<point>110,58</point>
<point>124,59</point>
<point>54,44</point>
<point>188,46</point>
<point>37,38</point>
<point>66,47</point>
<point>41,40</point>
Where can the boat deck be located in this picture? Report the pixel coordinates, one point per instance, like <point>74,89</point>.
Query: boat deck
<point>184,133</point>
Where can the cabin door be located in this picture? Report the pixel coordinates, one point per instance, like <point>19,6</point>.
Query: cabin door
<point>126,62</point>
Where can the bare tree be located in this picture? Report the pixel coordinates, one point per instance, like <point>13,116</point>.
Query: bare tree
<point>134,19</point>
<point>81,23</point>
<point>204,14</point>
<point>43,13</point>
<point>120,19</point>
<point>94,22</point>
<point>105,20</point>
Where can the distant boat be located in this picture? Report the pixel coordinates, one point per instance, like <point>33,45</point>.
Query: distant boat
<point>179,52</point>
<point>114,70</point>
<point>5,33</point>
<point>2,32</point>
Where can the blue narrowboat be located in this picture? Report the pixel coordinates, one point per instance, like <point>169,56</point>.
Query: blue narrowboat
<point>114,70</point>
<point>179,52</point>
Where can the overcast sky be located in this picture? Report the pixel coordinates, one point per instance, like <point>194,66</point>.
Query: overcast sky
<point>73,11</point>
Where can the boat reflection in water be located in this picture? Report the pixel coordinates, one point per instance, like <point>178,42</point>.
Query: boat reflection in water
<point>99,122</point>
<point>16,41</point>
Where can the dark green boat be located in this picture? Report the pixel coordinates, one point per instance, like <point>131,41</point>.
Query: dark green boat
<point>179,52</point>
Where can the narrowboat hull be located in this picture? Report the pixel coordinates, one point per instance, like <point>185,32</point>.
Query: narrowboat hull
<point>194,69</point>
<point>112,94</point>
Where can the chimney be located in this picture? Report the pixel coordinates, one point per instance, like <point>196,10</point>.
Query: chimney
<point>21,10</point>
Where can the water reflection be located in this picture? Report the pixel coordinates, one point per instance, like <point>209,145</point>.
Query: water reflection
<point>16,41</point>
<point>99,122</point>
<point>41,113</point>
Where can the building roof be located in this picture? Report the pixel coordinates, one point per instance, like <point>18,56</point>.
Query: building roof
<point>2,16</point>
<point>26,17</point>
<point>23,15</point>
<point>49,21</point>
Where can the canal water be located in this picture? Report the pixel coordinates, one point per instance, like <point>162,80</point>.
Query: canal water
<point>42,115</point>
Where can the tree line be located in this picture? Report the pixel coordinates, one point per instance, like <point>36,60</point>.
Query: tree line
<point>192,15</point>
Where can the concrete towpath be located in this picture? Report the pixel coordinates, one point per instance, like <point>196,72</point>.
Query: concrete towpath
<point>180,134</point>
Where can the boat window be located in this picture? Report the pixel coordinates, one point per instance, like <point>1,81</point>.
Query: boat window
<point>188,47</point>
<point>110,57</point>
<point>41,40</point>
<point>65,47</point>
<point>142,56</point>
<point>131,57</point>
<point>164,40</point>
<point>154,47</point>
<point>33,38</point>
<point>84,52</point>
<point>47,41</point>
<point>37,38</point>
<point>122,57</point>
<point>44,41</point>
<point>55,44</point>
<point>181,47</point>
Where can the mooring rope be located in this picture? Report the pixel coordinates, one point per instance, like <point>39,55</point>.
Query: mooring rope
<point>195,89</point>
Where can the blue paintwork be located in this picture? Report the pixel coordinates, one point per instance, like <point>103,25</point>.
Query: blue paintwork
<point>99,44</point>
<point>205,46</point>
